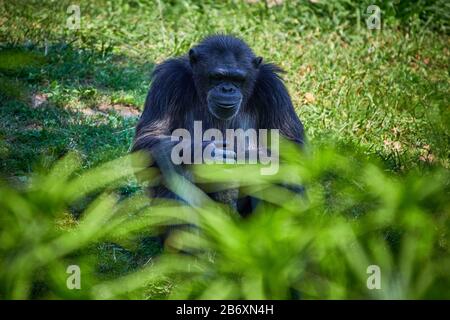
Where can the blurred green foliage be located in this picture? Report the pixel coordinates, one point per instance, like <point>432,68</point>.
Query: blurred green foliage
<point>377,197</point>
<point>353,215</point>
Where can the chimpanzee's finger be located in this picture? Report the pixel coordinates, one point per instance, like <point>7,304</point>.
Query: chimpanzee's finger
<point>223,160</point>
<point>217,143</point>
<point>224,153</point>
<point>229,161</point>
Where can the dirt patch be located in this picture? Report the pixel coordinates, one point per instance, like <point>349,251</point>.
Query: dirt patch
<point>33,127</point>
<point>38,100</point>
<point>105,108</point>
<point>125,111</point>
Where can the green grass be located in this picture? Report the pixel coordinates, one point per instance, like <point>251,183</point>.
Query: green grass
<point>377,95</point>
<point>383,91</point>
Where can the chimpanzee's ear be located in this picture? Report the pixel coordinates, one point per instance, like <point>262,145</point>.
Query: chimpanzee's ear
<point>193,56</point>
<point>257,61</point>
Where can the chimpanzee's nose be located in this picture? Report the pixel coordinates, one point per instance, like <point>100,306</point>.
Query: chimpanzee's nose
<point>227,88</point>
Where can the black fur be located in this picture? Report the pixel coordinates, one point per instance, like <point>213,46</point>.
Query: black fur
<point>176,99</point>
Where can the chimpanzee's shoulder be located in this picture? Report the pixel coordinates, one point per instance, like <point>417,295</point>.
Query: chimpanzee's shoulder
<point>178,65</point>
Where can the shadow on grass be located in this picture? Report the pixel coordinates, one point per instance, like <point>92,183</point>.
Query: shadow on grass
<point>44,134</point>
<point>70,99</point>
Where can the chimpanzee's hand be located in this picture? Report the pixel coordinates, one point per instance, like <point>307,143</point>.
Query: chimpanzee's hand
<point>216,152</point>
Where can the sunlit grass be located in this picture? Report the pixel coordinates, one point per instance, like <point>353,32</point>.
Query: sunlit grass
<point>375,108</point>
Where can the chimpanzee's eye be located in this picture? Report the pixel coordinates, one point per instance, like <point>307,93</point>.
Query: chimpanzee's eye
<point>229,76</point>
<point>216,76</point>
<point>237,79</point>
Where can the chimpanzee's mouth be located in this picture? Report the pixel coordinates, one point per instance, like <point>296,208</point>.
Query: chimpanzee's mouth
<point>226,105</point>
<point>224,111</point>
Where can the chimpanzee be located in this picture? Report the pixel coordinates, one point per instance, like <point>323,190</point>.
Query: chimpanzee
<point>223,84</point>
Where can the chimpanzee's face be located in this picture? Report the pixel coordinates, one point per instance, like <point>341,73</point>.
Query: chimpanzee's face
<point>225,78</point>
